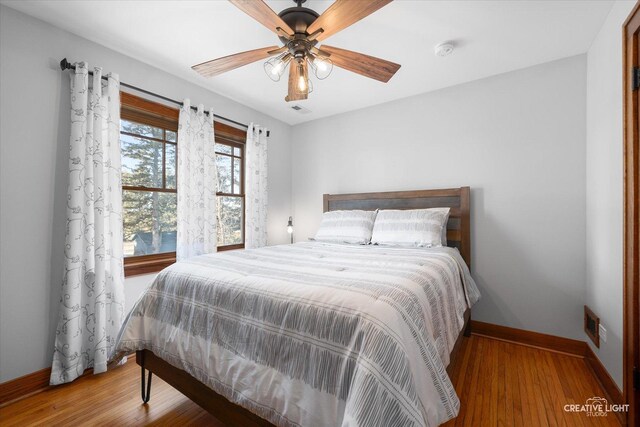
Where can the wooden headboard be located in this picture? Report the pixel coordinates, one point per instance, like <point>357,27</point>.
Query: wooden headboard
<point>458,227</point>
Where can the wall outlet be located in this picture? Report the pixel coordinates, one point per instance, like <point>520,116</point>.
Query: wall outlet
<point>603,333</point>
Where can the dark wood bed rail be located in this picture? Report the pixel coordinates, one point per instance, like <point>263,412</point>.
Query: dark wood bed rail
<point>458,199</point>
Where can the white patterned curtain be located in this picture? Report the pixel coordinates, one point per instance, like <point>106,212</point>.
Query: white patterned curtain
<point>256,188</point>
<point>197,183</point>
<point>92,303</point>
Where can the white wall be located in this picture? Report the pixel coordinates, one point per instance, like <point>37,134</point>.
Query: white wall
<point>34,138</point>
<point>518,140</point>
<point>604,185</point>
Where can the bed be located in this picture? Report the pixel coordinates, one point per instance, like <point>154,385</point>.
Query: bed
<point>314,333</point>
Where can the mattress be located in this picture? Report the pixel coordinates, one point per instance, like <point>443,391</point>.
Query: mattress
<point>313,334</point>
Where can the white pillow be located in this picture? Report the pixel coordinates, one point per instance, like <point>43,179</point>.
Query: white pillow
<point>346,227</point>
<point>443,240</point>
<point>416,227</point>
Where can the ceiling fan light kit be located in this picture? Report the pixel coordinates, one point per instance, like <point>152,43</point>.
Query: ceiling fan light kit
<point>300,29</point>
<point>322,67</point>
<point>276,66</point>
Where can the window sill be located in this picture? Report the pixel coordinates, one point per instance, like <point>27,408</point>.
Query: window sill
<point>230,247</point>
<point>145,264</point>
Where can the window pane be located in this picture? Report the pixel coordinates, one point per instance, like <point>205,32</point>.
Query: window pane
<point>140,129</point>
<point>170,150</point>
<point>171,136</point>
<point>149,222</point>
<point>236,176</point>
<point>224,173</point>
<point>230,217</point>
<point>222,148</point>
<point>236,151</point>
<point>141,162</point>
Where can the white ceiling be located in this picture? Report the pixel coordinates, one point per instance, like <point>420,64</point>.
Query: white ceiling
<point>492,37</point>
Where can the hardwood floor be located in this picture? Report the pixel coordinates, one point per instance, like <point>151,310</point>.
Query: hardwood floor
<point>110,399</point>
<point>505,384</point>
<point>499,384</point>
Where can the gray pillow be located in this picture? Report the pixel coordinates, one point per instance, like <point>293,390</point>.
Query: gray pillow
<point>415,227</point>
<point>346,227</point>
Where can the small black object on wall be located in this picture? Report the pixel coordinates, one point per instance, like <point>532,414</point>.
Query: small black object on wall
<point>592,326</point>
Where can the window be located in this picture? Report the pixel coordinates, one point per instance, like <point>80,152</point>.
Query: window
<point>230,144</point>
<point>148,137</point>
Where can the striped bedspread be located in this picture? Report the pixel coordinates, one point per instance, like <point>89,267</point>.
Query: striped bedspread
<point>313,334</point>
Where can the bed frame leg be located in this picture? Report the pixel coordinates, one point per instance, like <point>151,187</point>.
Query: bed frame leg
<point>146,394</point>
<point>467,329</point>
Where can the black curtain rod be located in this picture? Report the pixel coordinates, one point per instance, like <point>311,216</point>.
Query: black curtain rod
<point>66,65</point>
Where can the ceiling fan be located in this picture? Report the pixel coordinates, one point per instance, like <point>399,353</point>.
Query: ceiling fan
<point>300,29</point>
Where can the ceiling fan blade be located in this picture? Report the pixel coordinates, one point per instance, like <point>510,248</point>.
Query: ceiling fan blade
<point>368,66</point>
<point>227,63</point>
<point>319,52</point>
<point>283,49</point>
<point>258,10</point>
<point>343,13</point>
<point>295,72</point>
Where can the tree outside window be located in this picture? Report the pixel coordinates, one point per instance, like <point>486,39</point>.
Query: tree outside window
<point>149,188</point>
<point>230,164</point>
<point>148,138</point>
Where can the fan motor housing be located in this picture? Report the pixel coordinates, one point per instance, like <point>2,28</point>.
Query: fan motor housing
<point>298,18</point>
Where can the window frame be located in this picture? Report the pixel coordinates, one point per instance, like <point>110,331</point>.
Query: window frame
<point>234,137</point>
<point>143,111</point>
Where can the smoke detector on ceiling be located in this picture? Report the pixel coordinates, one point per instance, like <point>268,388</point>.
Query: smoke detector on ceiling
<point>444,49</point>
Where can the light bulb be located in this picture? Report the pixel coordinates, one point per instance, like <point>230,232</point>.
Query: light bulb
<point>321,67</point>
<point>275,66</point>
<point>290,228</point>
<point>302,84</point>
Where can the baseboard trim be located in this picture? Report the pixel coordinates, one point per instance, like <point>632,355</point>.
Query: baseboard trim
<point>24,386</point>
<point>529,338</point>
<point>30,384</point>
<point>608,384</point>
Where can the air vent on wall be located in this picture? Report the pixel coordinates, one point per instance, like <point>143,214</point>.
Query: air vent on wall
<point>592,326</point>
<point>300,109</point>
